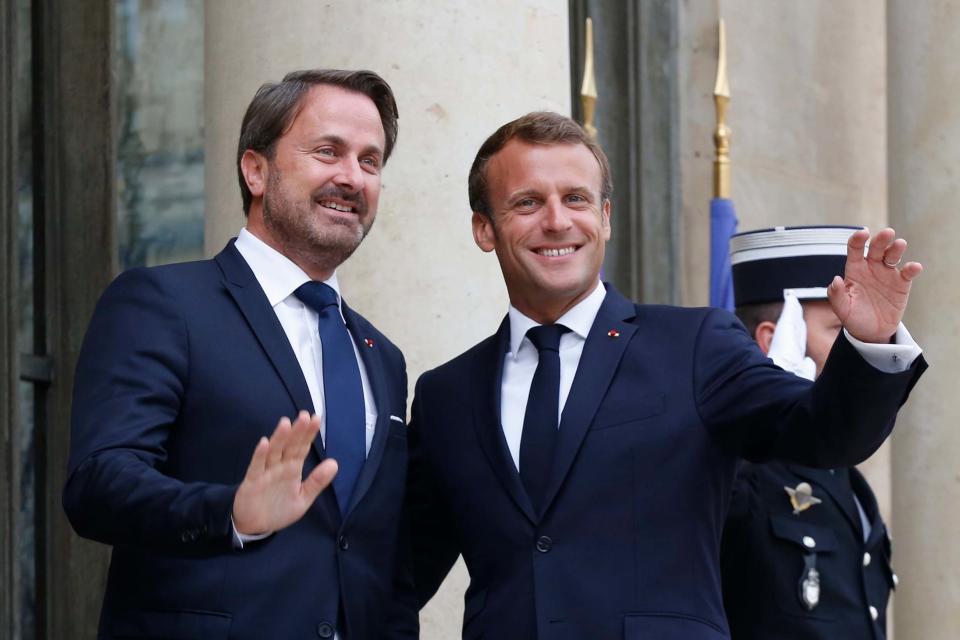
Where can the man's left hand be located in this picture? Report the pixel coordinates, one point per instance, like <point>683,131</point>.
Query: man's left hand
<point>871,297</point>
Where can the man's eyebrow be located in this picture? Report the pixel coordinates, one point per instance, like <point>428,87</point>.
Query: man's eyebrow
<point>520,193</point>
<point>535,192</point>
<point>326,139</point>
<point>581,190</point>
<point>341,142</point>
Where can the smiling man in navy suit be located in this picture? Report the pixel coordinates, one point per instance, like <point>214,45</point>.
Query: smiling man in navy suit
<point>238,431</point>
<point>581,458</point>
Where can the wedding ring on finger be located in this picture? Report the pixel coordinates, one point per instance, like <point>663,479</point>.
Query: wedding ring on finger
<point>892,266</point>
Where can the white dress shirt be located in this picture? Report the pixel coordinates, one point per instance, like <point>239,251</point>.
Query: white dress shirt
<point>520,363</point>
<point>279,278</point>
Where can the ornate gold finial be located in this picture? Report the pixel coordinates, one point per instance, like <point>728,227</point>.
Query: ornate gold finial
<point>721,135</point>
<point>588,89</point>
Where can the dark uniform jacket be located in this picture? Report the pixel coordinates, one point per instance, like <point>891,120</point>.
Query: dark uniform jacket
<point>768,551</point>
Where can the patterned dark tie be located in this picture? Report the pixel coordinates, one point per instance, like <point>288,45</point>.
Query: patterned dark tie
<point>540,422</point>
<point>345,438</point>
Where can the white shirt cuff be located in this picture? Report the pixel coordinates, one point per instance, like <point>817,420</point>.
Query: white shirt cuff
<point>240,538</point>
<point>888,358</point>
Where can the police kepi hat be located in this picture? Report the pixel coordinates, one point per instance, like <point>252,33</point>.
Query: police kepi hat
<point>767,261</point>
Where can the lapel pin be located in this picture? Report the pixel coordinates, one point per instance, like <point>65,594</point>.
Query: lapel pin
<point>801,497</point>
<point>368,342</point>
<point>613,333</point>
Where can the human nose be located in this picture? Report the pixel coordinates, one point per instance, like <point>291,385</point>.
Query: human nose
<point>350,174</point>
<point>557,217</point>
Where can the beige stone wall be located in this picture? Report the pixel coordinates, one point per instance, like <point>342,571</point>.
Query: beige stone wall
<point>924,154</point>
<point>459,69</point>
<point>809,111</point>
<point>697,66</point>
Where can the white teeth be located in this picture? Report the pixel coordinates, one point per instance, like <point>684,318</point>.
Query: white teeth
<point>338,207</point>
<point>555,253</point>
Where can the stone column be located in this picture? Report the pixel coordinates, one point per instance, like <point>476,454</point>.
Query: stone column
<point>459,70</point>
<point>924,153</point>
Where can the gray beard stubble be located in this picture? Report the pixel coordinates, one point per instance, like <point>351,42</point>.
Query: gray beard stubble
<point>290,224</point>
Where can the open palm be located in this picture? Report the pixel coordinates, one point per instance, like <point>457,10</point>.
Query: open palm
<point>872,296</point>
<point>274,494</point>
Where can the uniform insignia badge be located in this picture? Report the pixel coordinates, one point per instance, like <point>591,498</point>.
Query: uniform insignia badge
<point>801,497</point>
<point>810,589</point>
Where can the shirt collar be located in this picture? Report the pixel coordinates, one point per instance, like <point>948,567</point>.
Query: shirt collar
<point>579,319</point>
<point>278,276</point>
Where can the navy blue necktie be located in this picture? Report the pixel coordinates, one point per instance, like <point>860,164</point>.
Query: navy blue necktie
<point>542,417</point>
<point>345,439</point>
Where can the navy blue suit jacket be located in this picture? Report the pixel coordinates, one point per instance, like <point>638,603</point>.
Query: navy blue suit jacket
<point>183,368</point>
<point>663,403</point>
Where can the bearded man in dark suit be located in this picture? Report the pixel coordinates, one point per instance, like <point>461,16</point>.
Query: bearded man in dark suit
<point>224,522</point>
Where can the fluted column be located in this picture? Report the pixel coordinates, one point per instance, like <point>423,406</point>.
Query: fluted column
<point>924,156</point>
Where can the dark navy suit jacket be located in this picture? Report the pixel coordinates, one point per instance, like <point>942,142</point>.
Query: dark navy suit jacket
<point>663,402</point>
<point>184,367</point>
<point>763,557</point>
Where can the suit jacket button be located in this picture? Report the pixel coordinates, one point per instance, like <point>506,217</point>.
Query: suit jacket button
<point>325,630</point>
<point>544,544</point>
<point>874,614</point>
<point>343,543</point>
<point>866,558</point>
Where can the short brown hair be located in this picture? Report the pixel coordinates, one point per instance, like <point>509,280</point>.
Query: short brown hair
<point>538,127</point>
<point>276,104</point>
<point>751,315</point>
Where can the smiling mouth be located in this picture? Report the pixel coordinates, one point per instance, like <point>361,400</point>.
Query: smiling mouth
<point>336,206</point>
<point>556,252</point>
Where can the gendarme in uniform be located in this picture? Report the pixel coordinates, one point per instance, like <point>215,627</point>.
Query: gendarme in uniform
<point>805,553</point>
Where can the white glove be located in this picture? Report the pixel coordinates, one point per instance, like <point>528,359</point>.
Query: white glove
<point>788,347</point>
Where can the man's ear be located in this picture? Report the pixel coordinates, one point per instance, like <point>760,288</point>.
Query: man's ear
<point>483,232</point>
<point>764,335</point>
<point>605,218</point>
<point>255,172</point>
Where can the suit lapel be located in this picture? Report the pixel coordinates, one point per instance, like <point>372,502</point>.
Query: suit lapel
<point>373,363</point>
<point>837,487</point>
<point>242,285</point>
<point>486,417</point>
<point>606,343</point>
